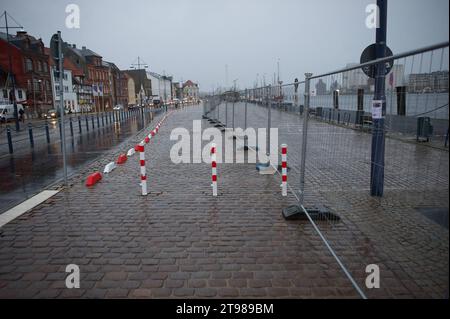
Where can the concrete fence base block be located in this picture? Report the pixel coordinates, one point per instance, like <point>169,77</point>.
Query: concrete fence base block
<point>131,152</point>
<point>269,170</point>
<point>260,166</point>
<point>109,167</point>
<point>317,214</point>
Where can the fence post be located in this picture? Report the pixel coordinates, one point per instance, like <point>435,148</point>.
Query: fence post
<point>8,135</point>
<point>71,126</point>
<point>218,111</point>
<point>47,133</point>
<point>98,121</point>
<point>245,122</point>
<point>79,124</point>
<point>269,121</point>
<point>30,133</point>
<point>226,112</point>
<point>245,111</point>
<point>92,121</point>
<point>232,112</point>
<point>304,139</point>
<point>60,129</point>
<point>87,123</point>
<point>103,119</point>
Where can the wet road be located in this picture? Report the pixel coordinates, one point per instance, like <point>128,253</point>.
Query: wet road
<point>29,170</point>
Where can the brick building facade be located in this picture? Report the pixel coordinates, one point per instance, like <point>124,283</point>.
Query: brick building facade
<point>30,69</point>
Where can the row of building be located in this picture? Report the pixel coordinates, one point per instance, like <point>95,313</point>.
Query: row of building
<point>349,82</point>
<point>89,82</point>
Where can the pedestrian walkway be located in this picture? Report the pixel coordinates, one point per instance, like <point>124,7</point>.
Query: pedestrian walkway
<point>180,241</point>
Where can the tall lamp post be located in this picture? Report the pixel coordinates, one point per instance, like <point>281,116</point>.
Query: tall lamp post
<point>10,74</point>
<point>34,91</point>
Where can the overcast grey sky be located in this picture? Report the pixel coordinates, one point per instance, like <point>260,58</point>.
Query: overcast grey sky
<point>195,39</point>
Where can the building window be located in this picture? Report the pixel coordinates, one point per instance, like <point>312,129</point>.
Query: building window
<point>66,88</point>
<point>36,86</point>
<point>19,93</point>
<point>28,64</point>
<point>5,94</point>
<point>39,66</point>
<point>45,67</point>
<point>65,76</point>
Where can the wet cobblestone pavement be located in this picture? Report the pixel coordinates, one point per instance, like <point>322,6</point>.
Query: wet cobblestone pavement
<point>180,241</point>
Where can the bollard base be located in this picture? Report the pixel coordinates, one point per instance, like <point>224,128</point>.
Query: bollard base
<point>265,169</point>
<point>295,212</point>
<point>260,166</point>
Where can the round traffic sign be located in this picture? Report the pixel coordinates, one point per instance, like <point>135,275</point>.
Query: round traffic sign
<point>369,54</point>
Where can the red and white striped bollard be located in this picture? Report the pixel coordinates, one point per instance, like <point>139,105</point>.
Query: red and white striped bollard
<point>143,172</point>
<point>214,168</point>
<point>284,170</point>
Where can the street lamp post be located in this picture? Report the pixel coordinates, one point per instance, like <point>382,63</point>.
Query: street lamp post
<point>13,84</point>
<point>34,91</point>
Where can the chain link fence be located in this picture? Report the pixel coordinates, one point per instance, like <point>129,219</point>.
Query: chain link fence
<point>328,125</point>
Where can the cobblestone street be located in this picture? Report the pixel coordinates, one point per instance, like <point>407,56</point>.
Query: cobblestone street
<point>180,241</point>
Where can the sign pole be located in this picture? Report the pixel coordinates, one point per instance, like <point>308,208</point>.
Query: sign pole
<point>379,107</point>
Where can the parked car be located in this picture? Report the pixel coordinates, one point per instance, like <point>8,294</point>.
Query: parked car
<point>51,114</point>
<point>118,107</point>
<point>156,100</point>
<point>7,111</point>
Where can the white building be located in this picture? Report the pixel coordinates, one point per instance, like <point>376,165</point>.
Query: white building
<point>70,97</point>
<point>190,90</point>
<point>132,97</point>
<point>21,96</point>
<point>161,85</point>
<point>396,77</point>
<point>354,79</point>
